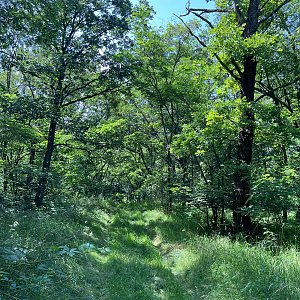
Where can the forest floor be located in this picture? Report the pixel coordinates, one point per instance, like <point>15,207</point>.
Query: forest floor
<point>118,252</point>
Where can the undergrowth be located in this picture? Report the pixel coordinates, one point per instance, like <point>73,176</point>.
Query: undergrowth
<point>98,250</point>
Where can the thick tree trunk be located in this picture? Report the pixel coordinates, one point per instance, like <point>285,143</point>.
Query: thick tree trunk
<point>241,217</point>
<point>42,184</point>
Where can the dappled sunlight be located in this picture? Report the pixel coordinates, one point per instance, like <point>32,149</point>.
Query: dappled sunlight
<point>145,163</point>
<point>154,216</point>
<point>180,260</point>
<point>138,254</point>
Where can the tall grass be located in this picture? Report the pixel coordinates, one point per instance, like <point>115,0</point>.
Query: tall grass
<point>118,252</point>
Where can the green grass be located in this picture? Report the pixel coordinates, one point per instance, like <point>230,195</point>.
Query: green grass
<point>134,252</point>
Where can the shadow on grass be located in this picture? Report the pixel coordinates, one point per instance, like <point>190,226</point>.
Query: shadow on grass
<point>135,267</point>
<point>131,269</point>
<point>174,228</point>
<point>31,266</point>
<point>220,268</point>
<point>139,253</point>
<point>133,278</point>
<point>233,271</point>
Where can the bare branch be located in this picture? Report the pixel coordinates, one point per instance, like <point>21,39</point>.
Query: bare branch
<point>191,32</point>
<point>90,96</point>
<point>187,8</point>
<point>203,19</point>
<point>80,87</point>
<point>188,5</point>
<point>204,10</point>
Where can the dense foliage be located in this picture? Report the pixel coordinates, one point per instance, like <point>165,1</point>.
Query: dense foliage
<point>203,113</point>
<point>200,119</point>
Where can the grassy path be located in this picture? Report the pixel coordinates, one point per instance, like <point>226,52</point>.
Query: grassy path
<point>178,264</point>
<point>140,258</point>
<point>134,253</point>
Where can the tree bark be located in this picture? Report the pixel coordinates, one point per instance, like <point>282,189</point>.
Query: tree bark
<point>43,180</point>
<point>57,102</point>
<point>241,217</point>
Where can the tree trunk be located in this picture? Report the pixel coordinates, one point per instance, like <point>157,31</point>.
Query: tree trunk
<point>215,213</point>
<point>241,217</point>
<point>42,184</point>
<point>170,170</point>
<point>285,161</point>
<point>29,178</point>
<point>5,171</point>
<point>297,217</point>
<point>57,102</point>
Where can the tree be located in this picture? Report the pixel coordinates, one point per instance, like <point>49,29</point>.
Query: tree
<point>169,81</point>
<point>237,43</point>
<point>69,54</point>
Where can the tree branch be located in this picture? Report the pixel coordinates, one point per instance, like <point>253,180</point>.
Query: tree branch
<point>108,90</point>
<point>80,87</point>
<point>74,147</point>
<point>274,11</point>
<point>237,67</point>
<point>204,19</point>
<point>271,94</point>
<point>238,12</point>
<point>231,72</point>
<point>204,10</point>
<point>191,32</point>
<point>297,79</point>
